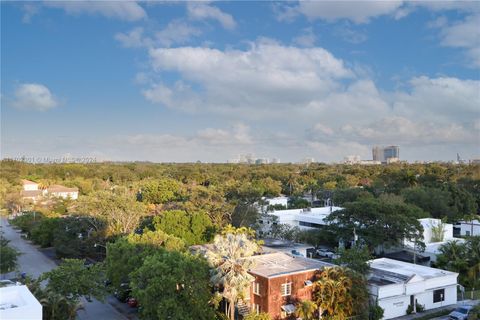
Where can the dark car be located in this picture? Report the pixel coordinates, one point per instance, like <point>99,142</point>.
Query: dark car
<point>123,293</point>
<point>460,313</point>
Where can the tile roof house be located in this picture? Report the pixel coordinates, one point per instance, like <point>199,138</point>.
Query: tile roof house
<point>31,191</point>
<point>281,280</point>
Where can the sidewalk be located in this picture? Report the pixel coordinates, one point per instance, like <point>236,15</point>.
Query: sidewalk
<point>34,263</point>
<point>436,310</point>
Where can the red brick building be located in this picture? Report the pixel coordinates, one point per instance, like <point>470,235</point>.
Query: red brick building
<point>281,280</point>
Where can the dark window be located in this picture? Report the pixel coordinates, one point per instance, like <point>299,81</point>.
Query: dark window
<point>309,224</point>
<point>438,295</point>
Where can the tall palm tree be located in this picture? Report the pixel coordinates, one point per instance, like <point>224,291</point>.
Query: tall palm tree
<point>306,310</point>
<point>332,293</point>
<point>229,259</point>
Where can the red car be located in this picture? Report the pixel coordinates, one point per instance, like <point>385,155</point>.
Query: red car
<point>132,302</point>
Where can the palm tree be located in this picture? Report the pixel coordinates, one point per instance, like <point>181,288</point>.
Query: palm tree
<point>306,310</point>
<point>332,293</point>
<point>229,258</point>
<point>453,256</point>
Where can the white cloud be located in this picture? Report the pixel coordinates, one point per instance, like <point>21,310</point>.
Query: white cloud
<point>29,10</point>
<point>202,11</point>
<point>464,34</point>
<point>306,39</point>
<point>176,32</point>
<point>356,11</point>
<point>409,132</point>
<point>133,39</point>
<point>444,99</point>
<point>351,35</point>
<point>238,135</point>
<point>34,96</point>
<point>122,10</point>
<point>267,75</point>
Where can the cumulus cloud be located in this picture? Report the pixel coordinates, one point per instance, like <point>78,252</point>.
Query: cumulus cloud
<point>34,96</point>
<point>464,34</point>
<point>122,10</point>
<point>356,11</point>
<point>203,11</point>
<point>443,98</point>
<point>306,39</point>
<point>267,75</point>
<point>175,32</point>
<point>238,135</point>
<point>408,132</point>
<point>134,38</point>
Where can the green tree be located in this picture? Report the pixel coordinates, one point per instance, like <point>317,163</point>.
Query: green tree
<point>43,232</point>
<point>230,267</point>
<point>173,284</point>
<point>193,227</point>
<point>453,257</point>
<point>432,200</point>
<point>332,293</point>
<point>306,310</point>
<point>8,256</point>
<point>120,210</point>
<point>161,191</point>
<point>377,222</point>
<point>127,254</point>
<point>258,316</point>
<point>72,280</point>
<point>355,258</point>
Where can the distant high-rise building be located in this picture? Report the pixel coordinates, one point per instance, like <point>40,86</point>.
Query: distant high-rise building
<point>388,154</point>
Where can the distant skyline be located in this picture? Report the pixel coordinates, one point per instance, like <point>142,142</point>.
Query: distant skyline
<point>187,81</point>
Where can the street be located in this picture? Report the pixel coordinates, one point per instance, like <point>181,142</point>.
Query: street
<point>34,263</point>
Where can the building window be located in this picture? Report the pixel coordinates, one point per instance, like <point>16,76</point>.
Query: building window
<point>439,295</point>
<point>256,308</point>
<point>286,289</point>
<point>309,224</point>
<point>256,288</point>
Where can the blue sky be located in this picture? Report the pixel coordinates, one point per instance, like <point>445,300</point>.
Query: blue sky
<point>180,81</point>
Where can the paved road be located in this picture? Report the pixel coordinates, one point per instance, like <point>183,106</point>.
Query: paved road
<point>34,263</point>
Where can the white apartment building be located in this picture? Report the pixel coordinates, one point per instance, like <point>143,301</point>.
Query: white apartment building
<point>468,228</point>
<point>305,219</point>
<point>395,285</point>
<point>432,245</point>
<point>17,302</point>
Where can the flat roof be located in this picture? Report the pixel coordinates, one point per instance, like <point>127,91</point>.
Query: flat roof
<point>321,211</point>
<point>395,271</point>
<point>278,263</point>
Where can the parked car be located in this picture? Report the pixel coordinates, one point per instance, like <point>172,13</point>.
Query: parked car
<point>123,293</point>
<point>327,254</point>
<point>297,253</point>
<point>132,302</point>
<point>460,313</point>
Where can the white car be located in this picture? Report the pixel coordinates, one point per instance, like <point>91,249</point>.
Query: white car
<point>460,313</point>
<point>327,254</point>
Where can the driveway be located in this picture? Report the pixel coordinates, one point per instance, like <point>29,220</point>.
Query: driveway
<point>34,263</point>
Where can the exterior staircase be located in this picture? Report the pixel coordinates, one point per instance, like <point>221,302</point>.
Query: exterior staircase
<point>243,308</point>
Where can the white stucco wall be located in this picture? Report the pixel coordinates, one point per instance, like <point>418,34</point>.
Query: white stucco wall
<point>466,227</point>
<point>30,187</point>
